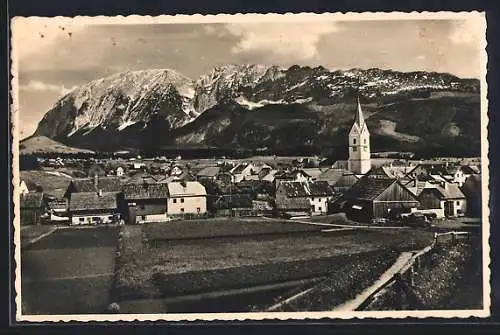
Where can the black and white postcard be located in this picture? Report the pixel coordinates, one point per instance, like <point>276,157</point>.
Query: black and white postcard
<point>250,167</point>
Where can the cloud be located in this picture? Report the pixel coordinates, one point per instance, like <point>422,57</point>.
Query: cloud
<point>420,57</point>
<point>38,86</point>
<point>32,36</point>
<point>282,39</point>
<point>466,31</point>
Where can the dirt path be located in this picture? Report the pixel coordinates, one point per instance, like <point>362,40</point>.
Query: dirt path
<point>353,304</point>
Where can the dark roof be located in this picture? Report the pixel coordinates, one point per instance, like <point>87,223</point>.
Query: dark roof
<point>294,189</point>
<point>105,184</point>
<point>292,203</point>
<point>368,188</point>
<point>140,191</point>
<point>92,201</point>
<point>239,168</point>
<point>233,201</point>
<point>319,188</point>
<point>32,200</point>
<point>451,191</point>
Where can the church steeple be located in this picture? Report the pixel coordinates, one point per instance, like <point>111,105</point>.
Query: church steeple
<point>359,144</point>
<point>359,120</point>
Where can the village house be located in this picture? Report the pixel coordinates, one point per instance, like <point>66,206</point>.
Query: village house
<point>93,208</point>
<point>32,207</point>
<point>372,198</point>
<point>209,173</point>
<point>186,197</point>
<point>317,195</point>
<point>240,171</point>
<point>146,201</point>
<point>472,189</point>
<point>291,176</point>
<point>340,180</point>
<point>446,200</point>
<point>239,204</point>
<point>95,184</point>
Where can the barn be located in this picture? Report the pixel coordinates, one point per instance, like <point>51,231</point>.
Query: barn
<point>32,207</point>
<point>372,198</point>
<point>146,202</point>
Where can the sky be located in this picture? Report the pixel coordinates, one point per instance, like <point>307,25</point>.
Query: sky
<point>56,55</point>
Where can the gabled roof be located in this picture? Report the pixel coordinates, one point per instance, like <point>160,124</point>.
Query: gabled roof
<point>369,188</point>
<point>105,184</point>
<point>31,200</point>
<point>92,201</point>
<point>319,188</point>
<point>143,191</point>
<point>187,188</point>
<point>451,191</point>
<point>294,189</point>
<point>313,172</point>
<point>209,171</point>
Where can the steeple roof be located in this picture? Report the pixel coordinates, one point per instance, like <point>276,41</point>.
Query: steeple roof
<point>359,120</point>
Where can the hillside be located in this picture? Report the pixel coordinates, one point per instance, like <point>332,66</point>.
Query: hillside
<point>42,144</point>
<point>268,107</point>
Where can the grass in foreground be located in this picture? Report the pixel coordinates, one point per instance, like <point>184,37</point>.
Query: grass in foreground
<point>29,233</point>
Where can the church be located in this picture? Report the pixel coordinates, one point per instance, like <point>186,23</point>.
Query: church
<point>359,161</point>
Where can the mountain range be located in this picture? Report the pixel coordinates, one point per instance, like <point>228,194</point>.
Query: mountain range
<point>268,108</point>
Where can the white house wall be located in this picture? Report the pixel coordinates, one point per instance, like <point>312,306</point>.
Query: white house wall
<point>89,219</point>
<point>189,204</point>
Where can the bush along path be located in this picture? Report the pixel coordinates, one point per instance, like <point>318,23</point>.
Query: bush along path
<point>451,279</point>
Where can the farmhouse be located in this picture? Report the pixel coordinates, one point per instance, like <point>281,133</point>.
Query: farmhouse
<point>93,207</point>
<point>372,198</point>
<point>186,197</point>
<point>95,184</point>
<point>446,200</point>
<point>232,205</point>
<point>32,207</point>
<point>146,202</point>
<point>316,194</point>
<point>209,173</point>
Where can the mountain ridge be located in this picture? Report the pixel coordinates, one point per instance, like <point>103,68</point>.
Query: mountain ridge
<point>148,109</point>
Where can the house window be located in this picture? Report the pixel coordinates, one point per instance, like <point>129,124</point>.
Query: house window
<point>354,148</point>
<point>143,218</point>
<point>182,200</point>
<point>314,208</point>
<point>319,209</point>
<point>95,218</point>
<point>81,219</point>
<point>364,149</point>
<point>174,201</point>
<point>110,217</point>
<point>458,203</point>
<point>364,141</point>
<point>353,141</point>
<point>198,209</point>
<point>182,210</point>
<point>312,199</point>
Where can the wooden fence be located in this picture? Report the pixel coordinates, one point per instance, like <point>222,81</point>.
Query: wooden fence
<point>403,280</point>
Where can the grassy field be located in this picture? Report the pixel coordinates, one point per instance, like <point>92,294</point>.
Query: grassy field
<point>220,227</point>
<point>28,233</point>
<point>70,271</point>
<point>152,267</point>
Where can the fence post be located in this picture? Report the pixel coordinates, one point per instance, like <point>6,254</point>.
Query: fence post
<point>435,239</point>
<point>453,238</point>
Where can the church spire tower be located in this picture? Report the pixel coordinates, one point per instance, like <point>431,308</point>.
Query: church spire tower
<point>359,145</point>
